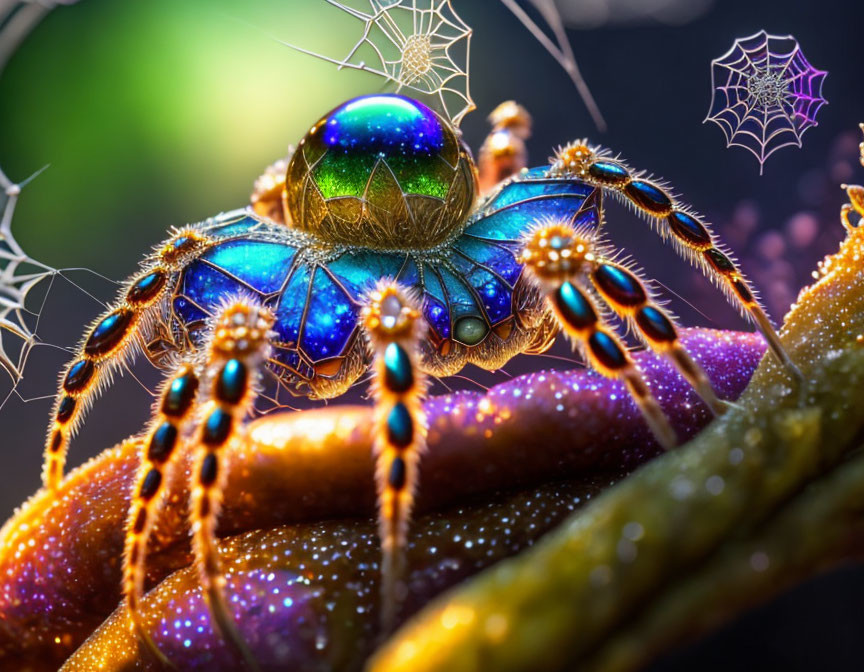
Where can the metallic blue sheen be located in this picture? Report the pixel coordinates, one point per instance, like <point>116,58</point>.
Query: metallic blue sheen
<point>606,350</point>
<point>516,220</point>
<point>689,228</point>
<point>495,296</point>
<point>648,194</point>
<point>217,427</point>
<point>608,171</point>
<point>574,307</point>
<point>400,426</point>
<point>359,271</point>
<point>409,274</point>
<point>411,128</point>
<point>145,284</point>
<point>462,301</point>
<point>620,285</point>
<point>398,372</point>
<point>232,381</point>
<point>433,285</point>
<point>233,228</point>
<point>317,306</point>
<point>208,287</point>
<point>437,316</point>
<point>105,327</point>
<point>493,256</point>
<point>188,312</point>
<point>657,326</point>
<point>261,265</point>
<point>292,305</point>
<point>516,192</point>
<point>330,319</point>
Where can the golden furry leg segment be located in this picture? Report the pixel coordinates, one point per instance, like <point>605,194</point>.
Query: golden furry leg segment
<point>394,327</point>
<point>166,429</point>
<point>106,347</point>
<point>503,153</point>
<point>238,349</point>
<point>694,238</point>
<point>557,257</point>
<point>627,295</point>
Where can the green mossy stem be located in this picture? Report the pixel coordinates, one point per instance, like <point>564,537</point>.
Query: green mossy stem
<point>816,531</point>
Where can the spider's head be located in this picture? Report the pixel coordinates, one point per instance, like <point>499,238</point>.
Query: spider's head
<point>381,171</point>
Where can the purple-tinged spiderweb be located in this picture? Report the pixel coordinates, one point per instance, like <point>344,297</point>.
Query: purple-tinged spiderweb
<point>765,94</point>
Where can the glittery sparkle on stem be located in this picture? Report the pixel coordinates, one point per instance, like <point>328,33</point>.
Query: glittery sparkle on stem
<point>60,574</point>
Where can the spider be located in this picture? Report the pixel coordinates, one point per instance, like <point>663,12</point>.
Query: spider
<point>369,247</point>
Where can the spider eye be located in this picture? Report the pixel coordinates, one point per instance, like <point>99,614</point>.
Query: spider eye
<point>381,171</point>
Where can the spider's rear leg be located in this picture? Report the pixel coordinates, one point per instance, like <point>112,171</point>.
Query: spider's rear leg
<point>394,326</point>
<point>238,349</point>
<point>693,237</point>
<point>503,153</point>
<point>108,345</point>
<point>556,264</point>
<point>157,464</point>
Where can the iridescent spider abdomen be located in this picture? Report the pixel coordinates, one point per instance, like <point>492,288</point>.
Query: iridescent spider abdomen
<point>384,172</point>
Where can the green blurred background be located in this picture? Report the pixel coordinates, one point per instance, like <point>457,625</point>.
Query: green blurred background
<point>157,113</point>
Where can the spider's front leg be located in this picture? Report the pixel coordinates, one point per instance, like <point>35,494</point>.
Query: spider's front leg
<point>239,346</point>
<point>557,257</point>
<point>560,250</point>
<point>693,237</point>
<point>108,345</point>
<point>394,327</point>
<point>157,464</point>
<point>503,153</point>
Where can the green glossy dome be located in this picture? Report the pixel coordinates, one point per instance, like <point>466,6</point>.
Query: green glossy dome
<point>381,171</point>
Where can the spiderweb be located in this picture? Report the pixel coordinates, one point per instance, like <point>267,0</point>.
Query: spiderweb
<point>559,48</point>
<point>419,45</point>
<point>765,94</point>
<point>19,273</point>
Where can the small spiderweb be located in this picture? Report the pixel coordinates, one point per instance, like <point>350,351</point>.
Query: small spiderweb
<point>420,45</point>
<point>19,273</point>
<point>765,94</point>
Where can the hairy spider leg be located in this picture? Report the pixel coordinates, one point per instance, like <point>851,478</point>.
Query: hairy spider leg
<point>157,465</point>
<point>239,347</point>
<point>108,345</point>
<point>503,152</point>
<point>693,237</point>
<point>393,324</point>
<point>556,265</point>
<point>629,297</point>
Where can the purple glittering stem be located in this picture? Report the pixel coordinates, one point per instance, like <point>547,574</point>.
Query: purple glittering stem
<point>60,575</point>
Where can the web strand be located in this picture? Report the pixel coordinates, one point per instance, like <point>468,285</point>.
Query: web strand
<point>765,94</point>
<point>560,49</point>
